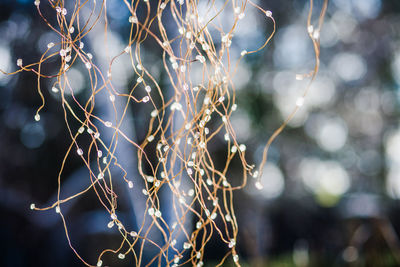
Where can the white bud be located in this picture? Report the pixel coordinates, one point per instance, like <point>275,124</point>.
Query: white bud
<point>154,113</point>
<point>150,178</point>
<point>207,212</point>
<point>235,258</point>
<point>201,58</point>
<point>176,106</point>
<point>157,213</point>
<point>225,38</point>
<point>255,174</point>
<point>300,101</point>
<point>191,192</point>
<point>310,29</point>
<point>233,149</point>
<point>232,243</point>
<point>226,137</point>
<point>316,35</point>
<point>173,242</point>
<point>259,186</point>
<point>88,65</point>
<point>150,138</point>
<point>133,19</point>
<point>202,144</point>
<point>151,211</point>
<point>215,201</point>
<point>133,234</point>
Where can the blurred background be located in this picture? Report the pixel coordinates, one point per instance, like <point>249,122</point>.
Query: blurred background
<point>332,183</point>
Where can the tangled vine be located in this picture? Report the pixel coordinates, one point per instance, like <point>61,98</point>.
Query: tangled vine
<point>182,121</point>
